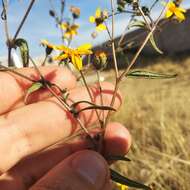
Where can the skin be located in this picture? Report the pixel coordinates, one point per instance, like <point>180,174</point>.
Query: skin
<point>27,131</point>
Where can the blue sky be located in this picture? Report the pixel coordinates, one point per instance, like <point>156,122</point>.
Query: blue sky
<point>40,25</point>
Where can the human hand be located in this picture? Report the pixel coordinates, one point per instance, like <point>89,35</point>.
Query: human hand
<point>27,129</point>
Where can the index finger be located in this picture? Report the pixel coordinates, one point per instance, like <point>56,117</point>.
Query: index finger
<point>13,87</point>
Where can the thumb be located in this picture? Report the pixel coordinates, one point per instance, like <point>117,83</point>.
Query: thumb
<point>82,170</point>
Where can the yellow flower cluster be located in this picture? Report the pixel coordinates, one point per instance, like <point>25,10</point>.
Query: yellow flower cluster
<point>173,9</point>
<point>99,18</point>
<point>70,30</point>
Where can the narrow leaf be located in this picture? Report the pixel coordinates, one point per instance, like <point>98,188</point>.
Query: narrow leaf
<point>24,51</point>
<point>149,75</point>
<point>117,158</point>
<point>154,45</point>
<point>35,86</point>
<point>125,181</point>
<point>97,107</point>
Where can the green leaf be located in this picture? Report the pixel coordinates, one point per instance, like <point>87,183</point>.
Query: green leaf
<point>117,158</point>
<point>149,75</point>
<point>24,50</point>
<point>154,45</point>
<point>125,181</point>
<point>35,86</point>
<point>137,23</point>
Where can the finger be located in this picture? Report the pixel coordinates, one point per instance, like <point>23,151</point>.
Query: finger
<point>32,128</point>
<point>28,171</point>
<point>13,87</point>
<point>82,170</point>
<point>117,139</point>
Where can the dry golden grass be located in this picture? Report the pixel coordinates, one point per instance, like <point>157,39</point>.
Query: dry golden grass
<point>157,113</point>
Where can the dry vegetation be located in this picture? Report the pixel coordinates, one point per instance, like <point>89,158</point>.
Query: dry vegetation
<point>157,113</point>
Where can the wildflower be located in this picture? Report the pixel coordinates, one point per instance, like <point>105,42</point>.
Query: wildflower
<point>100,60</point>
<point>70,30</point>
<point>174,9</point>
<point>75,55</point>
<point>121,186</point>
<point>99,18</point>
<point>49,47</point>
<point>75,11</point>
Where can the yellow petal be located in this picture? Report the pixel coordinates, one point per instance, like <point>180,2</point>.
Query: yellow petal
<point>64,26</point>
<point>60,57</point>
<point>180,16</point>
<point>182,10</point>
<point>171,5</point>
<point>67,35</point>
<point>168,14</point>
<point>98,13</point>
<point>101,27</point>
<point>92,19</point>
<point>77,61</point>
<point>84,49</point>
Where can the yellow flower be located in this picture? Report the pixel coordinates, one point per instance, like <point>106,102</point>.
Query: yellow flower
<point>70,30</point>
<point>47,44</point>
<point>173,9</point>
<point>75,55</point>
<point>99,18</point>
<point>121,186</point>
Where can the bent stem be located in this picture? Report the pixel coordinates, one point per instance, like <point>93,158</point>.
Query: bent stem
<point>90,95</point>
<point>119,79</point>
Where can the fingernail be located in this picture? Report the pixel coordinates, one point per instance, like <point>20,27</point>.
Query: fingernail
<point>90,167</point>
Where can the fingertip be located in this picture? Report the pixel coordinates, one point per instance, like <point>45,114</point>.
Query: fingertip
<point>117,139</point>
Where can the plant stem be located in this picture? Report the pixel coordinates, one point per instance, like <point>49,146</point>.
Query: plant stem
<point>24,18</point>
<point>91,97</point>
<point>101,97</point>
<point>112,40</point>
<point>132,62</point>
<point>17,73</point>
<point>144,17</point>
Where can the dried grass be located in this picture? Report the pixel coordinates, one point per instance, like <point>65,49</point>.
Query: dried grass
<point>157,113</point>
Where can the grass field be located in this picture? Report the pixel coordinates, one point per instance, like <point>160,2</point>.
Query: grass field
<point>157,113</point>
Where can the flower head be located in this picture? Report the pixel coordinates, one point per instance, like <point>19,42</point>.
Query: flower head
<point>74,55</point>
<point>100,60</point>
<point>99,18</point>
<point>174,9</point>
<point>70,30</point>
<point>49,47</point>
<point>75,11</point>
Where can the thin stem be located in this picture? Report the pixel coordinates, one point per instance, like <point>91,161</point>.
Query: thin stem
<point>44,61</point>
<point>5,10</point>
<point>112,37</point>
<point>132,62</point>
<point>17,73</point>
<point>113,100</point>
<point>101,97</point>
<point>91,97</point>
<point>154,3</point>
<point>24,18</point>
<point>107,29</point>
<point>36,68</point>
<point>144,17</point>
